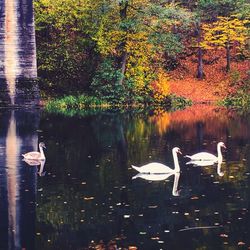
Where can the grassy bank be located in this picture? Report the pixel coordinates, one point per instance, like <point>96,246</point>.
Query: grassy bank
<point>84,104</point>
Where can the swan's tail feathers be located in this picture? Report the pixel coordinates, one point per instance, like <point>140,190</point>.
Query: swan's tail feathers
<point>187,156</point>
<point>136,168</point>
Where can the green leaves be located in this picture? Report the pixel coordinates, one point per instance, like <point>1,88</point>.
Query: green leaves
<point>105,83</point>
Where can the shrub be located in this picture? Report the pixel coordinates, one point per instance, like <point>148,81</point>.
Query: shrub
<point>105,84</point>
<point>240,100</point>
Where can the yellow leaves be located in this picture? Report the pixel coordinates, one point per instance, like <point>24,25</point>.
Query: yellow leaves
<point>160,86</point>
<point>62,15</point>
<point>224,31</point>
<point>109,41</point>
<point>139,56</point>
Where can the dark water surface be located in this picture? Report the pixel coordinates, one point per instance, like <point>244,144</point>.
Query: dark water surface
<point>85,191</point>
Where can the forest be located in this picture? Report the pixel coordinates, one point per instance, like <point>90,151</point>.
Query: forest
<point>150,52</point>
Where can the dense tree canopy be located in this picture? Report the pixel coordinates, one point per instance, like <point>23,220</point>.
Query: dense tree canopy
<point>122,50</point>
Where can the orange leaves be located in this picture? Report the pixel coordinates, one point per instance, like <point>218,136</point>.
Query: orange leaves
<point>216,84</point>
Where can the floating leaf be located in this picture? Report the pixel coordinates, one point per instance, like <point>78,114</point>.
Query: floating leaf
<point>194,198</point>
<point>241,243</point>
<point>89,198</point>
<point>223,235</point>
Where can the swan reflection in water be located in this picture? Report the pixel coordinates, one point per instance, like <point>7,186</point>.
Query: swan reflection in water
<point>207,164</point>
<point>37,163</point>
<point>161,177</point>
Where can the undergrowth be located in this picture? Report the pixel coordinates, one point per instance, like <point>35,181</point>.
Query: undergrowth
<point>83,104</point>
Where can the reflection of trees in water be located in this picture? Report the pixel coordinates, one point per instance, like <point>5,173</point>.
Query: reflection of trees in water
<point>201,127</point>
<point>90,164</point>
<point>213,120</point>
<point>162,122</point>
<point>96,148</point>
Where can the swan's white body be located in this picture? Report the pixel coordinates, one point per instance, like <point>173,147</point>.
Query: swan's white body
<point>159,168</point>
<point>204,156</point>
<point>201,163</point>
<point>35,155</point>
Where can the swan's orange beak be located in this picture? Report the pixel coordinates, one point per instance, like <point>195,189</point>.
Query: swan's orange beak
<point>224,146</point>
<point>180,152</point>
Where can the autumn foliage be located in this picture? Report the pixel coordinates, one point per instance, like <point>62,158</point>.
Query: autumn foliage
<point>141,51</point>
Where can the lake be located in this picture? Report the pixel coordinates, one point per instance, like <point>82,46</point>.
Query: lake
<point>86,193</point>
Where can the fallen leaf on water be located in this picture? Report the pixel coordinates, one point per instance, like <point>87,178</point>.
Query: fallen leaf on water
<point>132,248</point>
<point>241,243</point>
<point>224,235</point>
<point>155,238</point>
<point>153,206</point>
<point>89,198</point>
<point>195,198</point>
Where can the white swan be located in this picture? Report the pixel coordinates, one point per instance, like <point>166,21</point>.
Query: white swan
<point>161,177</point>
<point>204,156</point>
<point>35,155</point>
<point>159,168</point>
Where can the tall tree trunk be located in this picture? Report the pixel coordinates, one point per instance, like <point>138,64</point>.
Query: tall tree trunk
<point>123,15</point>
<point>124,62</point>
<point>200,73</point>
<point>228,57</point>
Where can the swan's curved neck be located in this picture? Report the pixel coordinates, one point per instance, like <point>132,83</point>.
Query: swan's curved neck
<point>219,153</point>
<point>42,153</point>
<point>176,162</point>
